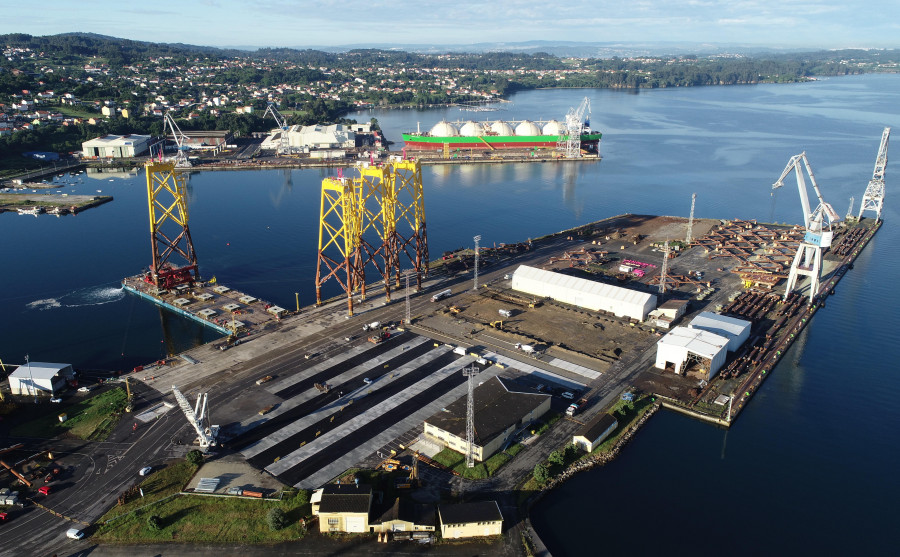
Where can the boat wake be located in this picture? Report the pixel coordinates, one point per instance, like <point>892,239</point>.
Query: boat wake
<point>93,296</point>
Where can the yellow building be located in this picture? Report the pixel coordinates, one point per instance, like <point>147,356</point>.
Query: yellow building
<point>501,408</point>
<point>595,432</point>
<point>469,520</point>
<point>342,507</point>
<point>404,516</point>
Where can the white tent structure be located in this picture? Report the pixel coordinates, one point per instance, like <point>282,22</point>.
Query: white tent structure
<point>584,293</point>
<point>737,331</point>
<point>29,379</point>
<point>683,346</point>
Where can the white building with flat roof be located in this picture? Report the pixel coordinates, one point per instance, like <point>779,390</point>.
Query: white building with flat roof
<point>116,146</point>
<point>588,294</point>
<point>35,377</point>
<point>737,331</point>
<point>684,350</point>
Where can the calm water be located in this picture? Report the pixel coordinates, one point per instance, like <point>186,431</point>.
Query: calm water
<point>806,469</point>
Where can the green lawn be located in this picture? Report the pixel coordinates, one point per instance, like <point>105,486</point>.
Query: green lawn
<point>90,419</point>
<point>197,518</point>
<point>457,462</point>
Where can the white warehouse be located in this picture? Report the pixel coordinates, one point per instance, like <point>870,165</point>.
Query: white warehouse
<point>683,347</point>
<point>36,377</point>
<point>737,331</point>
<point>584,293</point>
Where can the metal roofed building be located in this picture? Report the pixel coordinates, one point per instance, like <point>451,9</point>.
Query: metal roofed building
<point>737,331</point>
<point>595,296</point>
<point>668,313</point>
<point>468,520</point>
<point>595,432</point>
<point>683,347</point>
<point>116,146</point>
<point>404,516</point>
<point>40,376</point>
<point>342,507</point>
<point>500,410</point>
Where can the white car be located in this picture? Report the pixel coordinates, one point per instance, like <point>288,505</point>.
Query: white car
<point>84,389</point>
<point>567,395</point>
<point>367,381</point>
<point>56,400</point>
<point>145,470</point>
<point>74,533</point>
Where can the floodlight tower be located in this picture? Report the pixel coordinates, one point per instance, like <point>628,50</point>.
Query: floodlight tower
<point>477,239</point>
<point>808,260</point>
<point>873,199</point>
<point>689,238</point>
<point>470,373</point>
<point>664,270</point>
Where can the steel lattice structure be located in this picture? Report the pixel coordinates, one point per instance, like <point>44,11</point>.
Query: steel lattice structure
<point>873,199</point>
<point>361,224</point>
<point>169,231</point>
<point>470,373</point>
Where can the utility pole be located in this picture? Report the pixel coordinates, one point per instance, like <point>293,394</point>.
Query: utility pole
<point>470,373</point>
<point>689,238</point>
<point>477,239</point>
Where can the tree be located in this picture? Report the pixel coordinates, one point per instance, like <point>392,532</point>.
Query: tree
<point>154,522</point>
<point>194,458</point>
<point>541,473</point>
<point>557,457</point>
<point>276,518</point>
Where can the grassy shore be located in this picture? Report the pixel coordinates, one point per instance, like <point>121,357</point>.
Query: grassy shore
<point>91,419</point>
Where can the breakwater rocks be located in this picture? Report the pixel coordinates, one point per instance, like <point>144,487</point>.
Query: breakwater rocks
<point>598,459</point>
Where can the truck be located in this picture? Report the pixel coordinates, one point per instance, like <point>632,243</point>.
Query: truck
<point>527,348</point>
<point>380,337</point>
<point>505,312</point>
<point>575,407</point>
<point>372,326</point>
<point>441,295</point>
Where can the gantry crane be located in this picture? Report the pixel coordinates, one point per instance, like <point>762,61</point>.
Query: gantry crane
<point>808,260</point>
<point>199,418</point>
<point>181,160</point>
<point>283,144</point>
<point>874,197</point>
<point>576,120</point>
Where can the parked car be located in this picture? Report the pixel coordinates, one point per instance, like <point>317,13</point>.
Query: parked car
<point>56,400</point>
<point>84,389</point>
<point>567,395</point>
<point>367,381</point>
<point>74,533</point>
<point>44,490</point>
<point>3,516</point>
<point>145,470</point>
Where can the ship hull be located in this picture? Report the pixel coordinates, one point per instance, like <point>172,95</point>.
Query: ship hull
<point>491,142</point>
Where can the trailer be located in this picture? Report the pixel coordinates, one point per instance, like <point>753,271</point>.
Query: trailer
<point>441,295</point>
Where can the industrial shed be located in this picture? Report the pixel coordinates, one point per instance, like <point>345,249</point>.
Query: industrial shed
<point>342,507</point>
<point>693,352</point>
<point>595,432</point>
<point>735,330</point>
<point>39,376</point>
<point>116,146</point>
<point>469,520</point>
<point>500,410</point>
<point>588,294</point>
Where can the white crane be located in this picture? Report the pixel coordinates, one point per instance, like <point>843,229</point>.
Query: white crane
<point>874,197</point>
<point>808,260</point>
<point>283,144</point>
<point>570,138</point>
<point>199,418</point>
<point>181,160</point>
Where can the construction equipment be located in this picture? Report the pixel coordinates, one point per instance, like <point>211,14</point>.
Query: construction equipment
<point>455,310</point>
<point>576,124</point>
<point>389,464</point>
<point>873,199</point>
<point>16,474</point>
<point>181,160</point>
<point>199,418</point>
<point>382,336</point>
<point>496,325</point>
<point>817,223</point>
<point>284,147</point>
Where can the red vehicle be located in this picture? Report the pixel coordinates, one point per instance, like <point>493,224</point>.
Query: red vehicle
<point>44,490</point>
<point>3,516</point>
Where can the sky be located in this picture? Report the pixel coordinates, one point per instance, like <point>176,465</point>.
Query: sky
<point>310,23</point>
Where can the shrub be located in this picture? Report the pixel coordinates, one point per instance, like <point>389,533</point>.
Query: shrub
<point>276,518</point>
<point>541,474</point>
<point>195,458</point>
<point>154,522</point>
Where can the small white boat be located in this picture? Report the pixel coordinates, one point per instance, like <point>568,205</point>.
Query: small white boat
<point>32,211</point>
